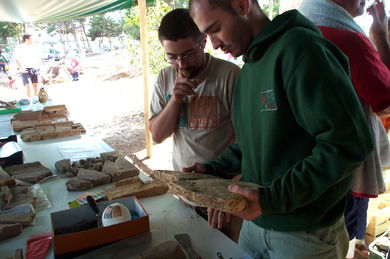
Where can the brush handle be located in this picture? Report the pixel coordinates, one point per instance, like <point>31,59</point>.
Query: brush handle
<point>91,201</point>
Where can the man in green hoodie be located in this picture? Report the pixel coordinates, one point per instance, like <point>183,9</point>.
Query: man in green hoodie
<point>299,126</point>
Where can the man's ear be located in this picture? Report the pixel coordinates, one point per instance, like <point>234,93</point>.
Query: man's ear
<point>241,7</point>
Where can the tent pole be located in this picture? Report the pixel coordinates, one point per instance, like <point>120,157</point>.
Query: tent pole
<point>144,48</point>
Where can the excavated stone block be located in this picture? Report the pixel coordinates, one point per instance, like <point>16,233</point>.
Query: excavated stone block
<point>96,177</point>
<point>120,169</point>
<point>10,230</point>
<point>63,166</point>
<point>29,172</point>
<point>77,184</point>
<point>110,156</point>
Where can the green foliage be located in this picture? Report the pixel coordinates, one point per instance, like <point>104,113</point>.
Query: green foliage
<point>101,26</point>
<point>8,29</point>
<point>155,12</point>
<point>275,8</point>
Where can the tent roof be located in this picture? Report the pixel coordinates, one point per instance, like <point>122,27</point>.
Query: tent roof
<point>36,11</point>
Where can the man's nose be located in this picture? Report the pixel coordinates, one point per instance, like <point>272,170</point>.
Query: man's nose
<point>182,63</point>
<point>216,43</point>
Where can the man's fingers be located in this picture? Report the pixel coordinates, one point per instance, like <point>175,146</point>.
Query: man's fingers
<point>241,191</point>
<point>189,169</point>
<point>191,83</point>
<point>221,218</point>
<point>214,220</point>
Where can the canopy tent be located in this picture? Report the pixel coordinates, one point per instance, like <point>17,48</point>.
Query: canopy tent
<point>36,11</point>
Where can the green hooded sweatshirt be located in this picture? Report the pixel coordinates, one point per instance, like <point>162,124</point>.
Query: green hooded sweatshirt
<point>299,125</point>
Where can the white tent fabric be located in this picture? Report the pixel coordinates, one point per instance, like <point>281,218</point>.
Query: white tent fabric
<point>35,11</point>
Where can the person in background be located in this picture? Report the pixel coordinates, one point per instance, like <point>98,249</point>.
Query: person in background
<point>28,60</point>
<point>192,97</point>
<point>3,62</point>
<point>74,67</point>
<point>386,121</point>
<point>371,80</point>
<point>300,130</point>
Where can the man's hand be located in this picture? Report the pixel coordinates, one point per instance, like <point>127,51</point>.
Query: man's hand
<point>379,25</point>
<point>183,87</point>
<point>216,218</point>
<point>195,168</point>
<point>253,209</point>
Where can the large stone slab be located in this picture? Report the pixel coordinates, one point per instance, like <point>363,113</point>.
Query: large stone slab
<point>212,193</point>
<point>170,176</point>
<point>29,172</point>
<point>120,169</point>
<point>96,177</point>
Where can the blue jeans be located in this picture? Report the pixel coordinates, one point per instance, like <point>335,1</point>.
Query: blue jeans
<point>356,216</point>
<point>326,243</point>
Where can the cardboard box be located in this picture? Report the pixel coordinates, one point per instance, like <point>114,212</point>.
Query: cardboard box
<point>76,229</point>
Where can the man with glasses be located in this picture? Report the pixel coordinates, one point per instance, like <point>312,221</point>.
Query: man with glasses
<point>192,97</point>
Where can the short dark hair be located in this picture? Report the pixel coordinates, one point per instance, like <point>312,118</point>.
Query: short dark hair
<point>26,37</point>
<point>222,4</point>
<point>178,24</point>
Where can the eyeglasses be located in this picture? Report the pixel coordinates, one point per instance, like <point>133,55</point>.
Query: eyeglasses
<point>184,58</point>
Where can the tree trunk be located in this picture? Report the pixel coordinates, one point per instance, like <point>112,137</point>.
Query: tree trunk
<point>85,34</point>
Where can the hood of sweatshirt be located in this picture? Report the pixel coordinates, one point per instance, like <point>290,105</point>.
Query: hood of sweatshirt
<point>274,30</point>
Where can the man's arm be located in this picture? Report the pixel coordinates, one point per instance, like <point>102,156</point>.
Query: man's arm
<point>379,31</point>
<point>164,124</point>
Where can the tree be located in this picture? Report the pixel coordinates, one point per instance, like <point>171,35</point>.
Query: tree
<point>100,27</point>
<point>271,9</point>
<point>155,11</point>
<point>10,30</point>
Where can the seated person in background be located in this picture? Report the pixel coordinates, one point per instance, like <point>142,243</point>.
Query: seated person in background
<point>192,97</point>
<point>371,80</point>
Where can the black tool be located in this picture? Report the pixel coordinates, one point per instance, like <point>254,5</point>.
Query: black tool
<point>92,202</point>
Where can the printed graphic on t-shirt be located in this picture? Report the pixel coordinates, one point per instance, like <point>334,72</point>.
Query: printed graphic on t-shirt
<point>267,101</point>
<point>203,112</point>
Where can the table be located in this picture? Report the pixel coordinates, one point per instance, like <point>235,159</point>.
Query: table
<point>167,216</point>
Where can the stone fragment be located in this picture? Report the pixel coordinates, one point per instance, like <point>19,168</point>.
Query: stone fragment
<point>26,219</point>
<point>5,197</point>
<point>63,166</point>
<point>110,156</point>
<point>69,175</point>
<point>6,179</point>
<point>120,169</point>
<point>10,230</point>
<point>29,172</point>
<point>96,177</point>
<point>77,184</point>
<point>98,166</point>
